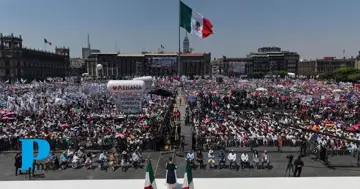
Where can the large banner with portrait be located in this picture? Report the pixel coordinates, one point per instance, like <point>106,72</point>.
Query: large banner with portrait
<point>237,67</point>
<point>162,62</point>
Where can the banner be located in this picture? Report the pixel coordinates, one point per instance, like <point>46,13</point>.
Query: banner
<point>163,62</point>
<point>237,67</point>
<point>129,104</point>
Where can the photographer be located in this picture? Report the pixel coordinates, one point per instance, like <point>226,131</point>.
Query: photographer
<point>299,164</point>
<point>290,166</point>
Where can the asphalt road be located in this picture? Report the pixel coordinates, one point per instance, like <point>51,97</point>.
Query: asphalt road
<point>343,166</point>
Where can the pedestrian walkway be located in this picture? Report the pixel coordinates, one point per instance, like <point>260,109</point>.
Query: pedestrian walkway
<point>185,130</point>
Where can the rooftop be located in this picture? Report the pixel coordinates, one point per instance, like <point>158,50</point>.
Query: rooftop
<point>40,51</point>
<point>105,53</point>
<point>159,54</point>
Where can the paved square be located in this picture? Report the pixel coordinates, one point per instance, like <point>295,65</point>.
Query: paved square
<point>343,166</point>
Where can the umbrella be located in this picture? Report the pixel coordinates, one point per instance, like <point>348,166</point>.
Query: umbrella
<point>9,114</point>
<point>65,125</point>
<point>352,129</point>
<point>27,119</point>
<point>120,135</point>
<point>207,121</point>
<point>6,117</point>
<point>336,90</point>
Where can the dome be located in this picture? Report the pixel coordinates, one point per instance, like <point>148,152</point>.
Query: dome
<point>99,67</point>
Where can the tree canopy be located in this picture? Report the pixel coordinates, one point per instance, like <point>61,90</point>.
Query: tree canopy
<point>341,74</point>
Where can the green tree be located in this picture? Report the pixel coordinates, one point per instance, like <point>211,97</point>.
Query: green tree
<point>281,73</point>
<point>326,75</point>
<point>257,75</point>
<point>354,77</point>
<point>342,73</point>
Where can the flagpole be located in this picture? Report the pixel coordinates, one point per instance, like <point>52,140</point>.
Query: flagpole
<point>179,66</point>
<point>44,46</point>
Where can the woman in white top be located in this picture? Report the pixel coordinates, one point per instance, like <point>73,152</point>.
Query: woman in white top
<point>75,161</point>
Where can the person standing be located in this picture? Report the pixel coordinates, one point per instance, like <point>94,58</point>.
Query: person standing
<point>171,174</point>
<point>299,164</point>
<point>17,164</point>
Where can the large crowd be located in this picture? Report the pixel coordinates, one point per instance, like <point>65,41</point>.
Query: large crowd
<point>273,112</point>
<point>81,115</point>
<point>225,113</point>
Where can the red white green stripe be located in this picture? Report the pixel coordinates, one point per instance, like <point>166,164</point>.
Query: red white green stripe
<point>149,177</point>
<point>188,179</point>
<point>193,22</point>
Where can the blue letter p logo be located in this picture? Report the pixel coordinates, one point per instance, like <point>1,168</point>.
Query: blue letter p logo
<point>27,146</point>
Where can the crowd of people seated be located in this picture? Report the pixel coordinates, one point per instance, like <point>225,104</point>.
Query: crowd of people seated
<point>272,112</point>
<point>69,114</point>
<point>221,160</point>
<point>106,160</point>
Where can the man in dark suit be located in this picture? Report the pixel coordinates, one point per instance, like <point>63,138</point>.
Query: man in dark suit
<point>17,164</point>
<point>299,164</point>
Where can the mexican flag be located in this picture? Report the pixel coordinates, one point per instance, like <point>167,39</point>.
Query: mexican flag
<point>188,179</point>
<point>149,177</point>
<point>193,22</point>
<point>47,42</point>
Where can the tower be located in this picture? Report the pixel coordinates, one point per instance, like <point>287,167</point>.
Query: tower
<point>186,44</point>
<point>10,48</point>
<point>62,51</point>
<point>88,41</point>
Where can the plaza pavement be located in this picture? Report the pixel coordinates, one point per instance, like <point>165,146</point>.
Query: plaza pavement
<point>343,166</point>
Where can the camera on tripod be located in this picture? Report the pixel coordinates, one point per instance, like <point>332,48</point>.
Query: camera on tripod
<point>289,168</point>
<point>290,158</point>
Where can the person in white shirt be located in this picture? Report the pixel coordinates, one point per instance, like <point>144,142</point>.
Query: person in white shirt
<point>69,152</point>
<point>211,159</point>
<point>244,160</point>
<point>232,159</point>
<point>75,160</point>
<point>190,157</point>
<point>102,159</point>
<point>135,159</point>
<point>81,153</point>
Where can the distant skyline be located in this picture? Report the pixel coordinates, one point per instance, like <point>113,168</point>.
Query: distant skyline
<point>314,29</point>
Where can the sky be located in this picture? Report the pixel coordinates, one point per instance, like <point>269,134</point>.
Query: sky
<point>313,28</point>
